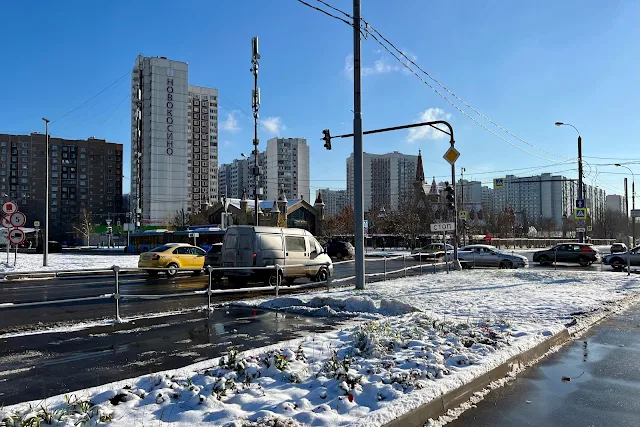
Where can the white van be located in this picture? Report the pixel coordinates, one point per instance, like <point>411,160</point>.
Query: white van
<point>249,246</point>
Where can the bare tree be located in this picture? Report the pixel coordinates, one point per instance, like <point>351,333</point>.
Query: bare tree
<point>83,225</point>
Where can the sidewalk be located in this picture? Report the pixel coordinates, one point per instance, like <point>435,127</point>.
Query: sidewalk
<point>603,390</point>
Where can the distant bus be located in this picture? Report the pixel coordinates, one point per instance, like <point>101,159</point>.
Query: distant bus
<point>144,241</point>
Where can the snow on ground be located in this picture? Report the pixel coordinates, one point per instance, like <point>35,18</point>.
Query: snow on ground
<point>421,337</point>
<point>33,262</point>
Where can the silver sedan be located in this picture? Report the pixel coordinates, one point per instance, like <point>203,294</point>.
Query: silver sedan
<point>489,256</point>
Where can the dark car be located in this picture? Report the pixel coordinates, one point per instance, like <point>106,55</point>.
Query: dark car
<point>340,250</point>
<point>580,253</point>
<point>214,258</point>
<point>433,252</point>
<point>618,247</point>
<point>54,247</point>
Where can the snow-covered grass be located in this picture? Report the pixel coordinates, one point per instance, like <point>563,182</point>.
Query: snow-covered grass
<point>421,337</point>
<point>33,262</point>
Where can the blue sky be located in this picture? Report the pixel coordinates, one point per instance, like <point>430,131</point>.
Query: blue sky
<point>522,64</point>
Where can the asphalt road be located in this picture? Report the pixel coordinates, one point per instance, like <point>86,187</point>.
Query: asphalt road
<point>32,317</point>
<point>603,390</point>
<point>39,366</point>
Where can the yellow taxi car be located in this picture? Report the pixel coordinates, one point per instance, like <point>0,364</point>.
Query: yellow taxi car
<point>173,256</point>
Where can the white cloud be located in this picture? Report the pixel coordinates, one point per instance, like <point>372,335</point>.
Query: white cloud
<point>380,66</point>
<point>226,143</point>
<point>231,123</point>
<point>427,132</point>
<point>273,125</point>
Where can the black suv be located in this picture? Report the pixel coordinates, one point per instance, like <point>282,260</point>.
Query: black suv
<point>581,253</point>
<point>340,250</point>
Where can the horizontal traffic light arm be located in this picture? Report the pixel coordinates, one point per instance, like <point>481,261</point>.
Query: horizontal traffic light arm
<point>414,125</point>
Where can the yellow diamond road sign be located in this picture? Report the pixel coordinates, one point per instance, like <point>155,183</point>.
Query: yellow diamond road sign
<point>451,155</point>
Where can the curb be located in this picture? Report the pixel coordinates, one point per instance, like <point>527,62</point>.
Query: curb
<point>439,406</point>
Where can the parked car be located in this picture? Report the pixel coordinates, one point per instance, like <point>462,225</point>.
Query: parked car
<point>489,256</point>
<point>433,252</point>
<point>619,260</point>
<point>340,250</point>
<point>173,256</point>
<point>618,247</point>
<point>54,247</point>
<point>249,246</point>
<point>581,253</point>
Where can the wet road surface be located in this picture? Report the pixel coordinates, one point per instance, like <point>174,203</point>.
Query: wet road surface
<point>39,366</point>
<point>606,394</point>
<point>34,317</point>
<point>24,291</point>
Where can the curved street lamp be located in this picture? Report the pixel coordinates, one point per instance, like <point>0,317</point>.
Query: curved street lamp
<point>581,235</point>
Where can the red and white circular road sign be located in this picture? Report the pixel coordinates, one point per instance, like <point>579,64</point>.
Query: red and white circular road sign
<point>16,236</point>
<point>18,219</point>
<point>6,221</point>
<point>9,207</point>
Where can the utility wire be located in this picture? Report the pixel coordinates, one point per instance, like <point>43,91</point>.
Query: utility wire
<point>327,13</point>
<point>92,98</point>
<point>454,105</point>
<point>368,26</point>
<point>366,30</point>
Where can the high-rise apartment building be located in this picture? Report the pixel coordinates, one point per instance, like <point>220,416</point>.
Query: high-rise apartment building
<point>615,203</point>
<point>388,179</point>
<point>202,147</point>
<point>470,190</point>
<point>84,175</point>
<point>546,196</point>
<point>487,199</point>
<point>287,161</point>
<point>233,179</point>
<point>166,143</point>
<point>334,201</point>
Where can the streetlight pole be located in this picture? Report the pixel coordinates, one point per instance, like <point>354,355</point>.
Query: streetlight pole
<point>464,231</point>
<point>633,200</point>
<point>45,238</point>
<point>581,235</point>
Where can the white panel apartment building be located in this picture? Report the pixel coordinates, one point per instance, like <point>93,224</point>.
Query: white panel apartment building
<point>546,196</point>
<point>287,162</point>
<point>202,147</point>
<point>334,201</point>
<point>159,93</point>
<point>615,203</point>
<point>165,178</point>
<point>388,179</point>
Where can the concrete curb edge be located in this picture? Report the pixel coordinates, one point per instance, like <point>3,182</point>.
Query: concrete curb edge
<point>439,406</point>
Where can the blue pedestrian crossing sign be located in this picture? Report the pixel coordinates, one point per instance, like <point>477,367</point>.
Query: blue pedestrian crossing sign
<point>580,203</point>
<point>580,213</point>
<point>498,183</point>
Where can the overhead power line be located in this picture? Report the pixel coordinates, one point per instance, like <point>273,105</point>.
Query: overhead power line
<point>328,13</point>
<point>92,98</point>
<point>368,26</point>
<point>366,31</point>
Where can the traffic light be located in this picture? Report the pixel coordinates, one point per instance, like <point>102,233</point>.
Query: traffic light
<point>451,198</point>
<point>327,139</point>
